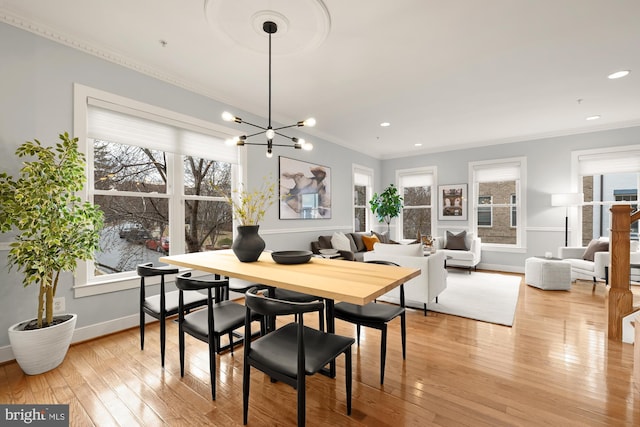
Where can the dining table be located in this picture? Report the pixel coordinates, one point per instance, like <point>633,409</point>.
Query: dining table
<point>333,280</point>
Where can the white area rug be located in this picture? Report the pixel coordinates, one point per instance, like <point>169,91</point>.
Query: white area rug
<point>481,296</point>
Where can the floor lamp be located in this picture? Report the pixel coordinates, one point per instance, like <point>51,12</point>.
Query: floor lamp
<point>567,200</point>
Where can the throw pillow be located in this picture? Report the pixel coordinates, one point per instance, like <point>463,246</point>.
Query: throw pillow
<point>369,241</point>
<point>340,242</point>
<point>357,239</point>
<point>456,242</point>
<point>352,242</point>
<point>324,242</point>
<point>391,249</point>
<point>382,237</point>
<point>595,246</point>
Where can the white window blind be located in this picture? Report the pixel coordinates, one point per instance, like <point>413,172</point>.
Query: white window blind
<point>124,128</point>
<point>613,162</point>
<point>361,179</point>
<point>416,180</point>
<point>497,173</point>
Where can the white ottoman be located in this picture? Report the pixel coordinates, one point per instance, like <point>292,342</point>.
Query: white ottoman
<point>547,273</point>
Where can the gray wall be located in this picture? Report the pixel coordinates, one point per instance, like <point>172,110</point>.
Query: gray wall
<point>37,102</point>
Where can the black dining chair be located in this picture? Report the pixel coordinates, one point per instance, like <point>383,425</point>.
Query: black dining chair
<point>220,318</point>
<point>164,304</point>
<point>291,352</point>
<point>377,316</point>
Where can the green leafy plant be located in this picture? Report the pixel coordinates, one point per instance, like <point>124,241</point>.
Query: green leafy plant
<point>386,205</point>
<point>249,207</point>
<point>54,227</point>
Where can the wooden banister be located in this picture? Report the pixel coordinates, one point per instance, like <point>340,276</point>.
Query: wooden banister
<point>620,298</point>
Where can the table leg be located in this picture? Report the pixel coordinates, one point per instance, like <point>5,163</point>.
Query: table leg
<point>331,328</point>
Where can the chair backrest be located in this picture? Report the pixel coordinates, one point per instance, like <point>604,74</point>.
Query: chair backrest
<point>393,264</point>
<point>185,282</point>
<point>266,306</point>
<point>148,270</point>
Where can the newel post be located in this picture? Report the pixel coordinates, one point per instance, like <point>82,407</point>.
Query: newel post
<point>620,298</point>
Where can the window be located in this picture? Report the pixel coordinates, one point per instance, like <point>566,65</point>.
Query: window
<point>485,211</point>
<point>160,184</point>
<point>362,192</point>
<point>416,188</point>
<point>497,186</point>
<point>607,177</point>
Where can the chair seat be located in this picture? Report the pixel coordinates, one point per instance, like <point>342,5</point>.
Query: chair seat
<point>279,349</point>
<point>369,313</point>
<point>228,315</point>
<point>191,299</point>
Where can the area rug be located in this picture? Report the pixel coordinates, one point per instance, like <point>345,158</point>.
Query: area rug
<point>481,296</point>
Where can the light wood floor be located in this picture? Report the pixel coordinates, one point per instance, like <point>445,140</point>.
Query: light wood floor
<point>554,367</point>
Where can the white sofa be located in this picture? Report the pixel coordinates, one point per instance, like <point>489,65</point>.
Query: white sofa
<point>422,289</point>
<point>593,270</point>
<point>469,258</point>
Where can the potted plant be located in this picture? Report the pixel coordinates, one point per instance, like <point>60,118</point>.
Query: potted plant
<point>386,205</point>
<point>55,229</point>
<point>249,208</point>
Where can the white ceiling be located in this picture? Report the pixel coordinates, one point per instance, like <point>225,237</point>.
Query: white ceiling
<point>446,74</point>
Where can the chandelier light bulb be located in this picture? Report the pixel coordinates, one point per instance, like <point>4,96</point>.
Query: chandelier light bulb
<point>307,146</point>
<point>310,122</point>
<point>269,153</point>
<point>270,133</point>
<point>228,117</point>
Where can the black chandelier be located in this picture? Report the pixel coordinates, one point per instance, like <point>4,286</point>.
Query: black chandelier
<point>270,132</point>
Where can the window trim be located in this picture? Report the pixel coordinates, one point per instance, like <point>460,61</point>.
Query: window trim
<point>84,283</point>
<point>363,170</point>
<point>426,170</point>
<point>490,212</point>
<point>521,206</point>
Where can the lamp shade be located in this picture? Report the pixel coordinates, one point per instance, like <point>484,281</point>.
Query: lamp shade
<point>567,199</point>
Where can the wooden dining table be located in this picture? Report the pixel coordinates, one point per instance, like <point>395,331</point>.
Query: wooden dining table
<point>334,280</point>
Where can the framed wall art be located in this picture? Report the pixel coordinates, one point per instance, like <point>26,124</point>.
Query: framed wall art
<point>452,202</point>
<point>305,190</point>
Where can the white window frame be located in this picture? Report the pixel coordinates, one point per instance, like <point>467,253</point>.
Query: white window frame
<point>513,199</point>
<point>599,161</point>
<point>85,283</point>
<point>427,170</point>
<point>368,173</point>
<point>521,185</point>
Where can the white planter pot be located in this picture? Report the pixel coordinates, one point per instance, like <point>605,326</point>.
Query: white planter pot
<point>41,350</point>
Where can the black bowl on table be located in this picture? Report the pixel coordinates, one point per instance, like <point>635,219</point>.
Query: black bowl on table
<point>291,257</point>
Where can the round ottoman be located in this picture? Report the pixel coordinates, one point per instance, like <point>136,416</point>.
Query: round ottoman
<point>547,273</point>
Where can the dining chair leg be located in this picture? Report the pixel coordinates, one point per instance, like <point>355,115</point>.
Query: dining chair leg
<point>403,331</point>
<point>245,393</point>
<point>231,341</point>
<point>212,368</point>
<point>163,333</point>
<point>383,351</point>
<point>302,401</point>
<point>141,328</point>
<point>347,380</point>
<point>425,308</point>
<point>181,349</point>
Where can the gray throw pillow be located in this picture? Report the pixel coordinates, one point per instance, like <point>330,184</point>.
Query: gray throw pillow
<point>357,239</point>
<point>456,242</point>
<point>595,246</point>
<point>383,237</point>
<point>325,242</point>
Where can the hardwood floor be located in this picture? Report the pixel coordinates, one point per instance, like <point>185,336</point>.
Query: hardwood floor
<point>555,367</point>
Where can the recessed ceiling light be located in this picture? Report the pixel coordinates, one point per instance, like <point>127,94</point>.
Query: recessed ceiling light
<point>417,145</point>
<point>385,124</point>
<point>619,74</point>
<point>596,117</point>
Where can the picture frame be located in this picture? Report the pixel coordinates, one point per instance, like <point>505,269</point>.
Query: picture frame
<point>452,202</point>
<point>305,190</point>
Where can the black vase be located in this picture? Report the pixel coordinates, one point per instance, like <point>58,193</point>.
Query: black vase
<point>248,245</point>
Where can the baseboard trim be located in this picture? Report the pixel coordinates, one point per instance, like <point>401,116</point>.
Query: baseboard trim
<point>88,332</point>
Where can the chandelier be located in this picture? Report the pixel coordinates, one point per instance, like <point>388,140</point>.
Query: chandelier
<point>270,132</point>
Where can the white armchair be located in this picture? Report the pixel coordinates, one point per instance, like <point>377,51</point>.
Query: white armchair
<point>422,289</point>
<point>468,258</point>
<point>592,270</point>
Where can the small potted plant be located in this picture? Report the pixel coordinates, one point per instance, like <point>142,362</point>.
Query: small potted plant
<point>386,205</point>
<point>55,229</point>
<point>249,208</point>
